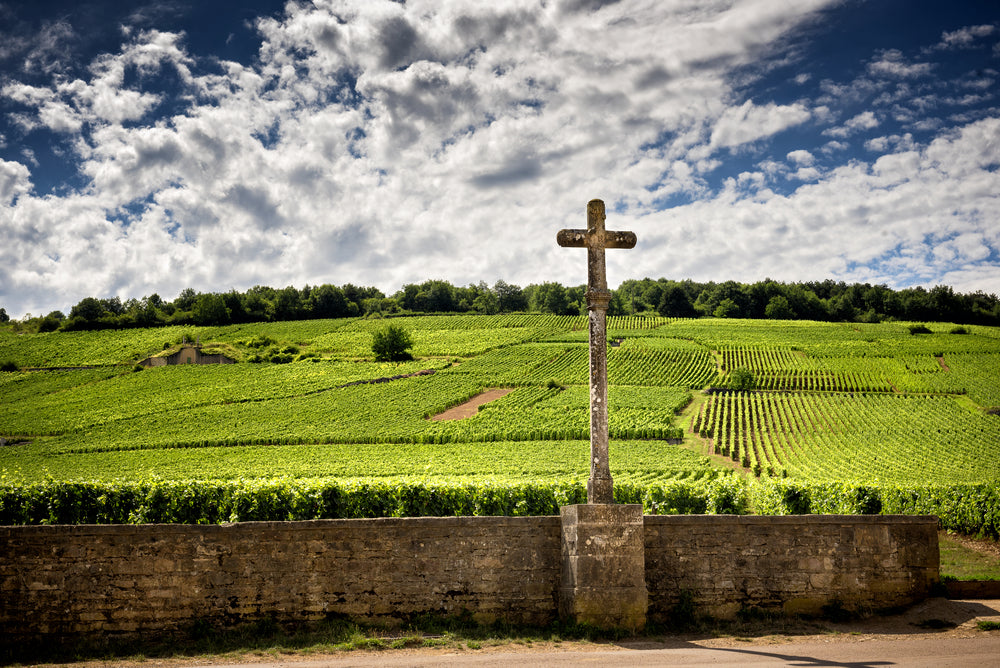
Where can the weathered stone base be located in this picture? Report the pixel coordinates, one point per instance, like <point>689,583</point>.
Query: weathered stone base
<point>603,572</point>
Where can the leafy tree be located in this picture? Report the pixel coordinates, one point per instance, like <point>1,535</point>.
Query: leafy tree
<point>778,308</point>
<point>729,293</point>
<point>727,308</point>
<point>840,308</point>
<point>89,310</point>
<point>113,305</point>
<point>51,322</point>
<point>549,297</point>
<point>615,306</point>
<point>392,344</point>
<point>437,296</point>
<point>434,296</point>
<point>742,380</point>
<point>287,304</point>
<point>185,300</point>
<point>88,314</point>
<point>380,305</point>
<point>652,295</point>
<point>210,309</point>
<point>327,301</point>
<point>234,303</point>
<point>256,304</point>
<point>407,297</point>
<point>147,314</point>
<point>674,303</point>
<point>805,303</point>
<point>354,294</point>
<point>576,301</point>
<point>3,315</point>
<point>486,303</point>
<point>510,297</point>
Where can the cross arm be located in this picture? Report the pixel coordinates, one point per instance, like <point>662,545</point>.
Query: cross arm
<point>606,239</point>
<point>614,239</point>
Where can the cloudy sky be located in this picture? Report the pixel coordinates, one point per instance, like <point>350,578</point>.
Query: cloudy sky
<point>149,147</point>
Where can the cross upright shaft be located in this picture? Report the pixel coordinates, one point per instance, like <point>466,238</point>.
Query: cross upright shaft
<point>595,239</point>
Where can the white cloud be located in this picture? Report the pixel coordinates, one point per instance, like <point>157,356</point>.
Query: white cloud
<point>47,52</point>
<point>53,113</point>
<point>805,174</point>
<point>964,38</point>
<point>380,143</point>
<point>801,157</point>
<point>833,146</point>
<point>887,219</point>
<point>69,105</point>
<point>866,120</point>
<point>892,63</point>
<point>15,180</point>
<point>749,122</point>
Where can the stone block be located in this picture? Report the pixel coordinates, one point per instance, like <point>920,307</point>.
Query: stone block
<point>603,566</point>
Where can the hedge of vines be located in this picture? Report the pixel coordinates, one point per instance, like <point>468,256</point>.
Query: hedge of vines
<point>969,509</point>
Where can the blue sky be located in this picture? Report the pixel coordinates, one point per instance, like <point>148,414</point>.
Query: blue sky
<point>150,147</point>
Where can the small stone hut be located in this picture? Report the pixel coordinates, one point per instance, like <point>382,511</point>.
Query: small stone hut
<point>187,355</point>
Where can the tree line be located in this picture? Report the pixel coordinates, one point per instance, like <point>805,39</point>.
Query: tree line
<point>818,300</point>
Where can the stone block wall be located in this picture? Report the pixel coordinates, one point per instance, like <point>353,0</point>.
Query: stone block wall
<point>76,580</point>
<point>65,581</point>
<point>795,564</point>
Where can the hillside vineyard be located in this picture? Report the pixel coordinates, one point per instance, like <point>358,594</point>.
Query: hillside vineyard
<point>840,417</point>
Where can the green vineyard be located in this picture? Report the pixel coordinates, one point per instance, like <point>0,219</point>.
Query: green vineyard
<point>840,417</point>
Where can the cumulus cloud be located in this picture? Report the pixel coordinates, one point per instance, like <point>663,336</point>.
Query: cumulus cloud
<point>801,157</point>
<point>866,120</point>
<point>14,180</point>
<point>889,214</point>
<point>965,37</point>
<point>48,51</point>
<point>749,122</point>
<point>371,140</point>
<point>892,63</point>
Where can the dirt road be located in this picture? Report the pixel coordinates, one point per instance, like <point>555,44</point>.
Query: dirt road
<point>937,632</point>
<point>924,651</point>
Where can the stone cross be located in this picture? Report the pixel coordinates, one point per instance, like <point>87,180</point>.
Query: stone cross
<point>595,239</point>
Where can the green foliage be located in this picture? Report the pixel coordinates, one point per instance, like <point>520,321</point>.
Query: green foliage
<point>846,418</point>
<point>972,509</point>
<point>9,366</point>
<point>392,344</point>
<point>676,498</point>
<point>778,308</point>
<point>728,496</point>
<point>742,380</point>
<point>213,502</point>
<point>919,329</point>
<point>260,341</point>
<point>727,308</point>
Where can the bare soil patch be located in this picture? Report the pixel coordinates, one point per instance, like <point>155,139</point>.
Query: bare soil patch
<point>471,407</point>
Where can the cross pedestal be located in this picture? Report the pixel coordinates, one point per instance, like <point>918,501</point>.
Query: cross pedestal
<point>603,557</point>
<point>595,239</point>
<point>603,566</point>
